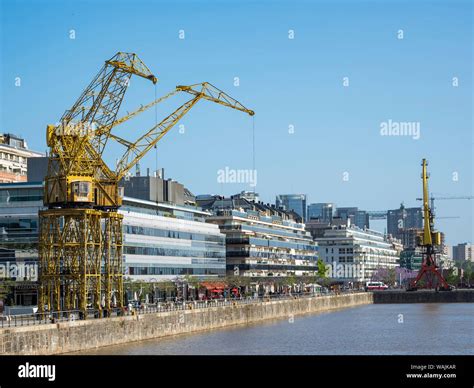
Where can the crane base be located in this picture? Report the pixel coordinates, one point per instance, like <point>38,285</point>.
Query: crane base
<point>434,279</point>
<point>80,258</point>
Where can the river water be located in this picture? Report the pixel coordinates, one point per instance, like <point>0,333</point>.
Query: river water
<point>371,329</point>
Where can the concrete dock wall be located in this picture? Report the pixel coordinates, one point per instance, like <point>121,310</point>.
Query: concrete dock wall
<point>421,296</point>
<point>67,337</point>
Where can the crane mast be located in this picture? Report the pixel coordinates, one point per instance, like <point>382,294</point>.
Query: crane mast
<point>429,271</point>
<point>80,232</point>
<point>427,214</point>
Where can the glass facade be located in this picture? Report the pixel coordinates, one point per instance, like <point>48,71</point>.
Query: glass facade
<point>160,240</point>
<point>19,205</point>
<point>295,202</point>
<point>359,218</point>
<point>166,241</point>
<point>258,245</point>
<point>321,211</point>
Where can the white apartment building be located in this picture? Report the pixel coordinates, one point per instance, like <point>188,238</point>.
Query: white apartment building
<point>14,154</point>
<point>355,254</point>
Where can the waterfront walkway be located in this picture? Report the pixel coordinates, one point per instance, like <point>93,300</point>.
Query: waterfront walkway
<point>160,307</point>
<point>383,297</point>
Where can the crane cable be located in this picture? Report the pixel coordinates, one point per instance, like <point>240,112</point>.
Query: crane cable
<point>253,153</point>
<point>156,148</point>
<point>156,151</point>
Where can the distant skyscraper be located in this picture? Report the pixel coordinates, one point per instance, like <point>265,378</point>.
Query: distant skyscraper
<point>346,212</point>
<point>463,252</point>
<point>295,202</point>
<point>404,218</point>
<point>362,219</point>
<point>322,211</point>
<point>359,218</point>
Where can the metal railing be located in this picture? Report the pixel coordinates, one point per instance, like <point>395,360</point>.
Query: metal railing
<point>50,317</point>
<point>7,321</point>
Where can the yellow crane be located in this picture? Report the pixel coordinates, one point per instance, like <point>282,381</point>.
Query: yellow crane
<point>80,232</point>
<point>429,271</point>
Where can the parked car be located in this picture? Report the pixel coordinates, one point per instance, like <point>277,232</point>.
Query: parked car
<point>375,286</point>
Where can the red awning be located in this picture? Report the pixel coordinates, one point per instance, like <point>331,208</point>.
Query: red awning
<point>214,286</point>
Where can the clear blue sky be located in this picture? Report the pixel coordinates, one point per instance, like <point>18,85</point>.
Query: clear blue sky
<point>287,82</point>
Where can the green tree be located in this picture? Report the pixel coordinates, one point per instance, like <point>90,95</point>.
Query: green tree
<point>452,276</point>
<point>165,289</point>
<point>468,274</point>
<point>322,272</point>
<point>166,285</point>
<point>193,283</point>
<point>6,290</point>
<point>290,280</point>
<point>241,282</point>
